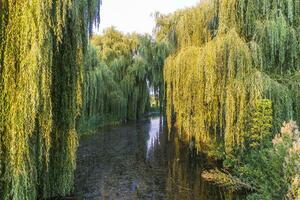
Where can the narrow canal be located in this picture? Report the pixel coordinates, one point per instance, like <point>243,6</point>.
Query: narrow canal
<point>137,161</point>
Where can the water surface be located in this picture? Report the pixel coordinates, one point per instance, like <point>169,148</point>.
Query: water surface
<point>136,161</point>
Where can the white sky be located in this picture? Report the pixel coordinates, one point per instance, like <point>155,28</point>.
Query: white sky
<point>135,15</point>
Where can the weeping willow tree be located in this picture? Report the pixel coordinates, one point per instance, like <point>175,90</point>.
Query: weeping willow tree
<point>154,54</point>
<point>118,74</point>
<point>103,99</point>
<point>229,57</point>
<point>124,88</point>
<point>42,44</point>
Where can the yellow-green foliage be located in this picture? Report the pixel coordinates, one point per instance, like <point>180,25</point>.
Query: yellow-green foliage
<point>118,73</point>
<point>182,27</point>
<point>214,96</point>
<point>103,99</point>
<point>271,172</point>
<point>129,72</point>
<point>226,62</point>
<point>153,54</point>
<point>274,25</point>
<point>41,48</point>
<point>260,124</point>
<point>114,44</point>
<point>187,31</point>
<point>294,84</point>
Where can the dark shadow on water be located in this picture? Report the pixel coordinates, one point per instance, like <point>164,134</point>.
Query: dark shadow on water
<point>137,161</point>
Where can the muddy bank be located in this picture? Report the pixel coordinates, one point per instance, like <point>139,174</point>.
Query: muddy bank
<point>136,161</point>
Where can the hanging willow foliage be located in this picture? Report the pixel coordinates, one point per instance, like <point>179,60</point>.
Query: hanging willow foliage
<point>190,21</point>
<point>181,29</point>
<point>41,52</point>
<point>118,73</point>
<point>274,25</point>
<point>154,54</point>
<point>227,61</point>
<point>124,92</point>
<point>103,99</point>
<point>218,98</point>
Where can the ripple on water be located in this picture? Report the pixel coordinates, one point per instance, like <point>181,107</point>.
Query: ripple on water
<point>136,161</point>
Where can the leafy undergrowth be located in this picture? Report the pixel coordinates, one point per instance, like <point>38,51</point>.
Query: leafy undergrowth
<point>272,172</point>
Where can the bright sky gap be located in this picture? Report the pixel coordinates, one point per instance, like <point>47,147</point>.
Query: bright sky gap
<point>136,15</point>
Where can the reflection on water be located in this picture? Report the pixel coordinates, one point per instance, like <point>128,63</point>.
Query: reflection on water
<point>153,134</point>
<point>137,161</point>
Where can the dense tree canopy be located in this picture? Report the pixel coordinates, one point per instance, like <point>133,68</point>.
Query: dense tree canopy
<point>232,54</point>
<point>118,75</point>
<point>42,43</point>
<point>227,72</point>
<point>232,77</point>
